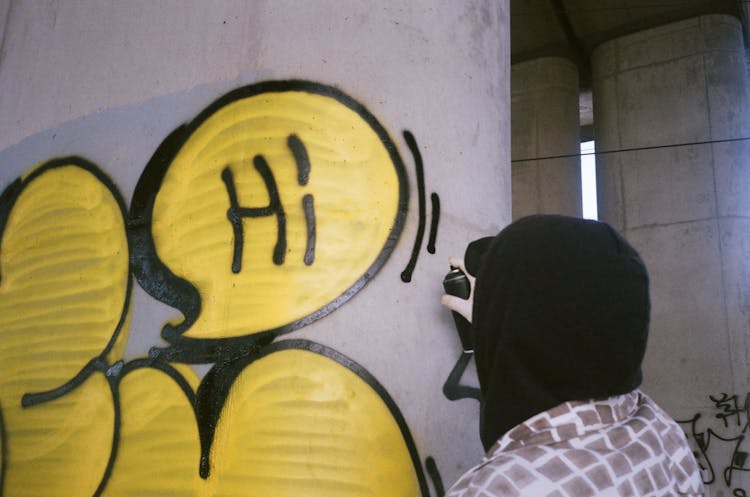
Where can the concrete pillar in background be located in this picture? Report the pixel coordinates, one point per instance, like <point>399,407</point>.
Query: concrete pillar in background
<point>686,207</point>
<point>437,69</point>
<point>545,122</point>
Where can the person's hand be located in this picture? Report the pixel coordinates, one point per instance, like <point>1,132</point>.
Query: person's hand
<point>457,304</point>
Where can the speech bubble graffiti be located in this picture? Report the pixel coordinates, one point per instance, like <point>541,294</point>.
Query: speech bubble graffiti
<point>268,211</point>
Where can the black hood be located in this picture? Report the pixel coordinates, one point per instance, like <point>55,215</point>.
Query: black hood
<point>561,312</point>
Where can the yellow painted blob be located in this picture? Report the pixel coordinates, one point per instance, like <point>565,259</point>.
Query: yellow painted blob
<point>159,446</point>
<point>60,448</point>
<point>64,270</point>
<point>298,423</point>
<point>353,184</point>
<point>2,442</point>
<point>294,420</point>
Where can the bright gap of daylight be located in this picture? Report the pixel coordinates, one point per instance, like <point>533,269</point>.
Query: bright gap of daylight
<point>588,180</point>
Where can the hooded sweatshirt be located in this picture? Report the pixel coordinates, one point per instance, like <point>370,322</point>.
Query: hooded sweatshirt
<point>561,312</point>
<point>560,317</point>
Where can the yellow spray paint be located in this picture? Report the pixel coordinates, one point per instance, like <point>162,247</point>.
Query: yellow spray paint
<point>159,445</point>
<point>294,421</point>
<point>298,420</point>
<point>60,448</point>
<point>353,184</point>
<point>64,268</point>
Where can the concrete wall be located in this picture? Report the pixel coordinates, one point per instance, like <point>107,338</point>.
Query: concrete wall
<point>544,123</point>
<point>109,80</point>
<point>686,209</point>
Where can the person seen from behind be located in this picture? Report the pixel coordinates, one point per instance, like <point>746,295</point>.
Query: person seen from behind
<point>560,313</point>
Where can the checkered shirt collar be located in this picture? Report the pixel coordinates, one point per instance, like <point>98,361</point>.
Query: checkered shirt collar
<point>568,420</point>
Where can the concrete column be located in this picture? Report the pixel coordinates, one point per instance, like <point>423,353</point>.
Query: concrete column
<point>545,122</point>
<point>686,207</point>
<point>128,74</point>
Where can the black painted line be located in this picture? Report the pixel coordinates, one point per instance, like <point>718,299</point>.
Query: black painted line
<point>434,472</point>
<point>115,436</point>
<point>301,158</point>
<point>7,201</point>
<point>201,351</point>
<point>210,400</point>
<point>452,389</point>
<point>406,274</point>
<point>35,398</point>
<point>152,274</point>
<point>435,221</point>
<point>279,251</point>
<point>702,447</point>
<point>234,219</point>
<point>308,207</point>
<point>274,207</point>
<point>162,366</point>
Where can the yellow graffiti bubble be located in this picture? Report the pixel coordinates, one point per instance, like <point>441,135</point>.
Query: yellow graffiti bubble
<point>295,420</point>
<point>2,447</point>
<point>60,448</point>
<point>65,272</point>
<point>279,205</point>
<point>159,448</point>
<point>64,284</point>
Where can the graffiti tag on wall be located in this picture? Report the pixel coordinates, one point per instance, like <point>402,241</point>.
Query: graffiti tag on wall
<point>267,212</point>
<point>295,196</point>
<point>720,443</point>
